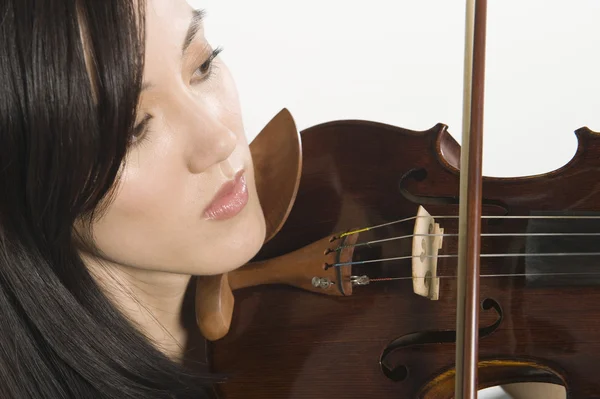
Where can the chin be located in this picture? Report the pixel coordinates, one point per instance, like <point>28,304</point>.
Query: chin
<point>243,242</point>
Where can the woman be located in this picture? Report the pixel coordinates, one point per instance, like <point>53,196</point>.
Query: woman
<point>124,170</point>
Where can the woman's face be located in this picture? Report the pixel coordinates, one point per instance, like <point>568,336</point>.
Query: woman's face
<point>186,201</point>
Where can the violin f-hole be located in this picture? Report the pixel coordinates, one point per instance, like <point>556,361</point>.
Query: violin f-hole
<point>420,174</point>
<point>400,372</point>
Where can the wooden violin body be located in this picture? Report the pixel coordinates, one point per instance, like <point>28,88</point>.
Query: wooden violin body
<point>540,317</point>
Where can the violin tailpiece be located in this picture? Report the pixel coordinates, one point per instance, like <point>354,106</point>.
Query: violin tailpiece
<point>306,269</point>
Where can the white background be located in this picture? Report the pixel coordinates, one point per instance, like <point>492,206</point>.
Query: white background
<point>401,62</point>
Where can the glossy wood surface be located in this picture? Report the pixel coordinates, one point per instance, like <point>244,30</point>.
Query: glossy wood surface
<point>278,144</point>
<point>285,342</point>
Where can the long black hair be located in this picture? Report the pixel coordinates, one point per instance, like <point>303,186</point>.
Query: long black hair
<point>70,79</point>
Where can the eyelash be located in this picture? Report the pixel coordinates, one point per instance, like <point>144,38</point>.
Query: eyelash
<point>207,66</point>
<point>141,131</point>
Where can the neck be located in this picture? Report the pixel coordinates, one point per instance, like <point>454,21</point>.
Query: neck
<point>151,300</point>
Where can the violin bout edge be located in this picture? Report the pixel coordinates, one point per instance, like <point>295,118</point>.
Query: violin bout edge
<point>491,373</point>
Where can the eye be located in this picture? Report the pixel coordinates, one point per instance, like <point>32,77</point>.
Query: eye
<point>139,132</point>
<point>204,71</point>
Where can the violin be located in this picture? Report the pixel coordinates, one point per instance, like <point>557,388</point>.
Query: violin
<point>393,269</point>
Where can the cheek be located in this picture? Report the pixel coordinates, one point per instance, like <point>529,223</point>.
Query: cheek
<point>151,206</point>
<point>146,193</point>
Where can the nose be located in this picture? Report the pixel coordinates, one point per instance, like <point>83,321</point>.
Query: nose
<point>207,139</point>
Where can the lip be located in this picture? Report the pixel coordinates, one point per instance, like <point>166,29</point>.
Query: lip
<point>231,198</point>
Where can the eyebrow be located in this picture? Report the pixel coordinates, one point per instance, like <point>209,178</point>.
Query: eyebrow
<point>195,25</point>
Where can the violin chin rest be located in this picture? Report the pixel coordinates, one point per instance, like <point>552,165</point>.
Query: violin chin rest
<point>214,306</point>
<point>277,158</point>
<point>493,373</point>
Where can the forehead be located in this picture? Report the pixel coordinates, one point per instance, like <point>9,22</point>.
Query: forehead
<point>167,28</point>
<point>167,23</point>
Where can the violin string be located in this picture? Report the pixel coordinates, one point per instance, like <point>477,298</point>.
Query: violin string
<point>408,219</point>
<point>402,237</point>
<point>378,279</point>
<point>557,254</point>
<point>408,236</point>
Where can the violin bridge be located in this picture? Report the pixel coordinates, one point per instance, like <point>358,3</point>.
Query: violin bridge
<point>427,241</point>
